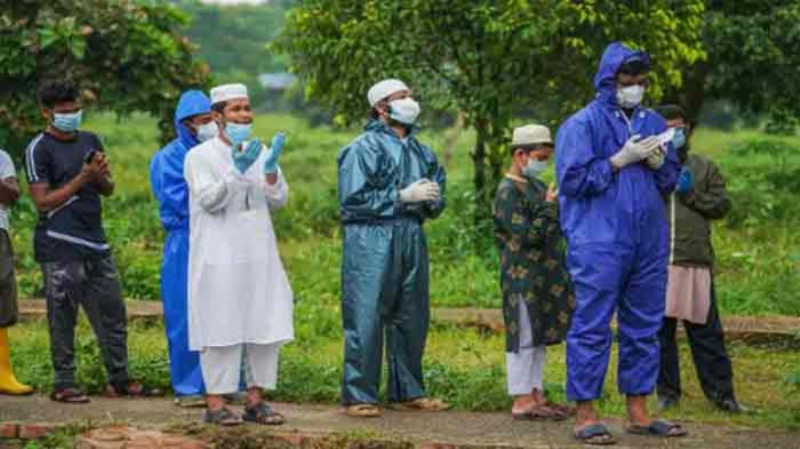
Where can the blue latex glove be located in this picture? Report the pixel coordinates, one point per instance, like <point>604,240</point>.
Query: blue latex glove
<point>243,160</point>
<point>685,181</point>
<point>275,150</point>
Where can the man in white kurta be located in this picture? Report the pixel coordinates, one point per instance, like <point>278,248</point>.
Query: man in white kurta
<point>240,300</point>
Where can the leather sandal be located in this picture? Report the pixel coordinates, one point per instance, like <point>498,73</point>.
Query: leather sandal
<point>363,411</point>
<point>69,396</point>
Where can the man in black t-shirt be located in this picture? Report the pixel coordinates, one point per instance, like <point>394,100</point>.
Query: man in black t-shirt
<point>68,171</point>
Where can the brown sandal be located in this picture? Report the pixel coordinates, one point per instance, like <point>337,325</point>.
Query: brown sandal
<point>363,411</point>
<point>425,405</point>
<point>132,390</point>
<point>551,413</point>
<point>70,396</point>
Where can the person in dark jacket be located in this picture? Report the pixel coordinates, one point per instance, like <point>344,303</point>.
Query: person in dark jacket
<point>699,198</point>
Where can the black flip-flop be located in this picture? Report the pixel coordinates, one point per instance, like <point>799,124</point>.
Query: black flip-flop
<point>263,414</point>
<point>660,428</point>
<point>222,417</point>
<point>595,434</point>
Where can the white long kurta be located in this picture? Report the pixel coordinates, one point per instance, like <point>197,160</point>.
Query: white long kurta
<point>238,289</point>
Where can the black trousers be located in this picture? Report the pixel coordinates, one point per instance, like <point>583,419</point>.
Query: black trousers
<point>711,361</point>
<point>94,285</point>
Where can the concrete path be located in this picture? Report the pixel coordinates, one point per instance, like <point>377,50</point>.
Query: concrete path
<point>449,429</point>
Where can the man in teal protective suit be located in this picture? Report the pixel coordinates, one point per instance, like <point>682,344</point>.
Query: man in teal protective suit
<point>389,184</point>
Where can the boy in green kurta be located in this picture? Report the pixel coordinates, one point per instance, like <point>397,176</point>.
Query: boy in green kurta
<point>538,297</point>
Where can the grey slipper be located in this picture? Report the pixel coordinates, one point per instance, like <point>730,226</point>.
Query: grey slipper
<point>661,428</point>
<point>595,434</point>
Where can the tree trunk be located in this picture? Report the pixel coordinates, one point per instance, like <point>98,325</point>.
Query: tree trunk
<point>451,139</point>
<point>691,95</point>
<point>482,202</point>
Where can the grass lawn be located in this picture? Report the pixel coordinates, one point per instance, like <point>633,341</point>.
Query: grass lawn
<point>758,255</point>
<point>463,366</point>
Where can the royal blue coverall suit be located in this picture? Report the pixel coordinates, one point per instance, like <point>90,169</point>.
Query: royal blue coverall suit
<point>617,235</point>
<point>172,193</point>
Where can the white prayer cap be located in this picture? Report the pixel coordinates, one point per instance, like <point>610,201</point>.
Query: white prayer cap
<point>227,92</point>
<point>383,89</point>
<point>531,135</point>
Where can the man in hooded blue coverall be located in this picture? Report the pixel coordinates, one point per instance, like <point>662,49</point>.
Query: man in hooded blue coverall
<point>193,124</point>
<point>612,170</point>
<point>389,185</point>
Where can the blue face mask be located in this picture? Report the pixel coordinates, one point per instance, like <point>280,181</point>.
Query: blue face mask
<point>535,168</point>
<point>68,123</point>
<point>679,139</point>
<point>238,132</point>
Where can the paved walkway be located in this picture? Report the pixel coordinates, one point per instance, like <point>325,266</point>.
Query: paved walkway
<point>751,329</point>
<point>450,429</point>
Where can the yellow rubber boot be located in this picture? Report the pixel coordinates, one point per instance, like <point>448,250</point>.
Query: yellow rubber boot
<point>9,383</point>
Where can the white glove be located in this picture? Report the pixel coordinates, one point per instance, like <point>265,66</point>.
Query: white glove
<point>635,150</point>
<point>420,191</point>
<point>656,158</point>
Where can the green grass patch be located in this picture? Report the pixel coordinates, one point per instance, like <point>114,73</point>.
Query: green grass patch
<point>758,247</point>
<point>462,366</point>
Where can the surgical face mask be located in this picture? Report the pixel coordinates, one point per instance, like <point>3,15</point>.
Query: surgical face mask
<point>207,132</point>
<point>404,111</point>
<point>679,139</point>
<point>68,123</point>
<point>535,168</point>
<point>629,97</point>
<point>238,132</point>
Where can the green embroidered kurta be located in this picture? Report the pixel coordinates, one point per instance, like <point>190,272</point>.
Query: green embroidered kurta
<point>532,265</point>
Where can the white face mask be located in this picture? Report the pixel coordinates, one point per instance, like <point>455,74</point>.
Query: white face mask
<point>630,97</point>
<point>404,111</point>
<point>535,168</point>
<point>208,131</point>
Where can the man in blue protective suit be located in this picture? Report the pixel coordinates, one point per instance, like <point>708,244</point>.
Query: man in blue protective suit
<point>389,185</point>
<point>193,124</point>
<point>613,167</point>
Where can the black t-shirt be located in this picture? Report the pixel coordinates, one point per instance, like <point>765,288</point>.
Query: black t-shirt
<point>73,230</point>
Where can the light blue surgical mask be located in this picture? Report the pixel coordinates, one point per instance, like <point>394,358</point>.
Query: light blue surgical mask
<point>679,139</point>
<point>238,132</point>
<point>68,123</point>
<point>535,168</point>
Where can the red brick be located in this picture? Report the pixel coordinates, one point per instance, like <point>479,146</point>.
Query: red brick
<point>9,430</point>
<point>33,431</point>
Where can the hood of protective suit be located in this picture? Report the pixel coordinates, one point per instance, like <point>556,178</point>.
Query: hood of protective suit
<point>605,81</point>
<point>192,102</point>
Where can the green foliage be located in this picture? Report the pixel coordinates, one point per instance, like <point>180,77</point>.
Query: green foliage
<point>125,56</point>
<point>483,58</point>
<point>753,59</point>
<point>462,366</point>
<point>233,40</point>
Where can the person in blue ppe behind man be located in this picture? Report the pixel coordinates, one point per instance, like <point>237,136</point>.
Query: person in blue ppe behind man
<point>193,124</point>
<point>614,166</point>
<point>389,185</point>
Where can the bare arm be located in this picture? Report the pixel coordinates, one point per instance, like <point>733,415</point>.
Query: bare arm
<point>47,199</point>
<point>9,191</point>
